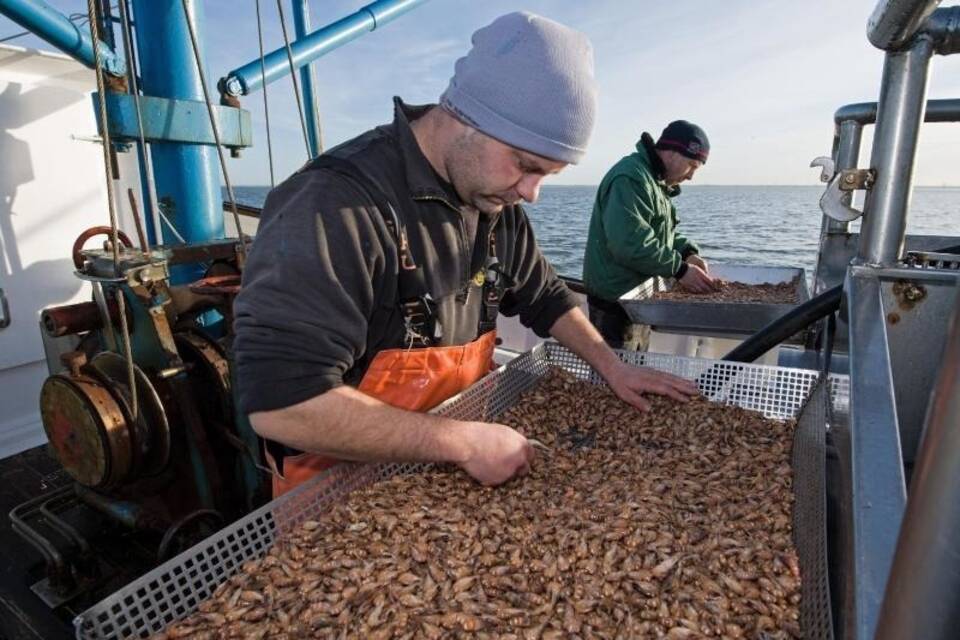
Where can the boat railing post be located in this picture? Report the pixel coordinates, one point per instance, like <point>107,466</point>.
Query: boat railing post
<point>899,113</point>
<point>848,154</point>
<point>833,233</point>
<point>894,22</point>
<point>849,120</point>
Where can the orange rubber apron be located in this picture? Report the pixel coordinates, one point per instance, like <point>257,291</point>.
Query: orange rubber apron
<point>411,379</point>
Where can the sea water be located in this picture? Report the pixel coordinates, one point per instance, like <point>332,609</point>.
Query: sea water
<point>756,225</point>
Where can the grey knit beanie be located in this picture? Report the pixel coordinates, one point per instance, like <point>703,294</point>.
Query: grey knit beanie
<point>528,82</point>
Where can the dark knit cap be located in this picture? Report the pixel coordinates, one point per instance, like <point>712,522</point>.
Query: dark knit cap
<point>685,138</point>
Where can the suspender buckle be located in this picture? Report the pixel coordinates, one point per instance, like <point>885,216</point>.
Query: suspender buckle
<point>491,294</point>
<point>423,329</point>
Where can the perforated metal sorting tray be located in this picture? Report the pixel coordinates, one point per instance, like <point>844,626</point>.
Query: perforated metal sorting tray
<point>709,318</point>
<point>175,589</point>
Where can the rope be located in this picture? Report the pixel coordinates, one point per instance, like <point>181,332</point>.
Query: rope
<point>213,125</point>
<point>104,132</point>
<point>127,352</point>
<point>293,77</point>
<point>114,231</point>
<point>266,106</point>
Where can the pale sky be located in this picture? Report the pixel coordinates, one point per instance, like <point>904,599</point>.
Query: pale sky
<point>763,78</point>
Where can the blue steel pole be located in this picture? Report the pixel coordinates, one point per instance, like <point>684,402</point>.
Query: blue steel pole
<point>248,78</point>
<point>146,174</point>
<point>301,26</point>
<point>46,22</point>
<point>187,175</point>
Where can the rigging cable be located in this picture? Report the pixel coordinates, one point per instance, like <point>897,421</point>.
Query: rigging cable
<point>293,77</point>
<point>111,205</point>
<point>104,132</point>
<point>173,229</point>
<point>213,125</point>
<point>135,91</point>
<point>266,106</point>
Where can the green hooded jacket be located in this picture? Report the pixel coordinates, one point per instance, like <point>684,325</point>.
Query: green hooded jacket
<point>633,229</point>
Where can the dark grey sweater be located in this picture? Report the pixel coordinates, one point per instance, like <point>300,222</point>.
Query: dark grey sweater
<point>319,295</point>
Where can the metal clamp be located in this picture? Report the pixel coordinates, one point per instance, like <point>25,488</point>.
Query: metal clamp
<point>836,199</point>
<point>853,179</point>
<point>170,120</point>
<point>4,311</point>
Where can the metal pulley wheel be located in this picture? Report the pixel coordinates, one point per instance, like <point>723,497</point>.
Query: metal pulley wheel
<point>88,420</point>
<point>210,371</point>
<point>150,432</point>
<point>86,428</point>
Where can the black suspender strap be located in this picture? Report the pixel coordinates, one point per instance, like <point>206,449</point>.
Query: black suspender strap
<point>417,308</point>
<point>492,289</point>
<point>495,282</point>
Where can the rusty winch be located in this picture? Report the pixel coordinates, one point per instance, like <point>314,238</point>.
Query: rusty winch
<point>139,408</point>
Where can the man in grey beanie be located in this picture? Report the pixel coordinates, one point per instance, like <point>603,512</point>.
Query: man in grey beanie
<point>372,290</point>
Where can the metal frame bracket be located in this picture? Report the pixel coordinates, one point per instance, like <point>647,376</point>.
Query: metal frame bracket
<point>836,199</point>
<point>170,120</point>
<point>854,179</point>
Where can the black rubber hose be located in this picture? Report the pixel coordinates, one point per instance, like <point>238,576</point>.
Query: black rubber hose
<point>797,319</point>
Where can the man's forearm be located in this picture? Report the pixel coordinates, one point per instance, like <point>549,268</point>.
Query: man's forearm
<point>575,332</point>
<point>347,424</point>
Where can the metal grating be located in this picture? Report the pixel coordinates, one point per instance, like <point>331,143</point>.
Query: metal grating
<point>175,589</point>
<point>933,260</point>
<point>809,514</point>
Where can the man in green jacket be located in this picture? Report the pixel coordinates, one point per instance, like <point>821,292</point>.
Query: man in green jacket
<point>633,230</point>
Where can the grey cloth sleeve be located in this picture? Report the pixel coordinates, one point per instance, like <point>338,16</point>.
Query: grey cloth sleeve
<point>538,295</point>
<point>310,286</point>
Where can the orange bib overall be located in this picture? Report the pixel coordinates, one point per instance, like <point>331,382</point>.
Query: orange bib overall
<point>415,379</point>
<point>411,379</point>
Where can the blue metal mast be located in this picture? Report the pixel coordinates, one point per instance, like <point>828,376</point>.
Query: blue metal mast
<point>46,22</point>
<point>186,174</point>
<point>301,26</point>
<point>172,104</point>
<point>248,78</point>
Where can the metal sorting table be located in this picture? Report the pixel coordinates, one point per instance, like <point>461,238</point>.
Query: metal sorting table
<point>711,318</point>
<point>173,590</point>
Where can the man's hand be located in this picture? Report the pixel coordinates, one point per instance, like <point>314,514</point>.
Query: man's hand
<point>629,383</point>
<point>697,280</point>
<point>574,331</point>
<point>494,453</point>
<point>347,424</point>
<point>695,260</point>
